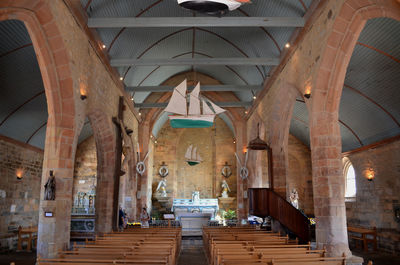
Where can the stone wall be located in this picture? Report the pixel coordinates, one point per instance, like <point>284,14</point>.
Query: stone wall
<point>85,170</point>
<point>299,174</point>
<point>374,202</point>
<point>19,199</point>
<point>215,145</point>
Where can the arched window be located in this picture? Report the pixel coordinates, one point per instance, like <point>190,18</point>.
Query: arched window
<point>350,175</point>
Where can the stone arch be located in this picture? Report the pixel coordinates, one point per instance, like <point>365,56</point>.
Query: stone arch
<point>278,133</point>
<point>328,183</point>
<point>151,116</point>
<point>105,135</point>
<point>340,45</point>
<point>53,62</point>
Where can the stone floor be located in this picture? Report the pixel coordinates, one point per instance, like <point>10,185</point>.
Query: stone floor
<point>192,252</point>
<point>19,258</point>
<point>378,258</point>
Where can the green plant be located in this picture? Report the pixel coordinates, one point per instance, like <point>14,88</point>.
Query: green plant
<point>229,215</point>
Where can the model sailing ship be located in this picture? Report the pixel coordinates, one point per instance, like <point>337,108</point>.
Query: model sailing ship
<point>192,156</point>
<point>197,116</point>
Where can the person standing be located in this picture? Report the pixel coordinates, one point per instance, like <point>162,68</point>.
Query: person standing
<point>144,218</point>
<point>121,218</point>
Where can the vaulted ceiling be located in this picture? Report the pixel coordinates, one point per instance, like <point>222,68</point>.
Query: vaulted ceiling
<point>369,110</point>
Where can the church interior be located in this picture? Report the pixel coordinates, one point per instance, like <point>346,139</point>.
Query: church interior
<point>252,132</point>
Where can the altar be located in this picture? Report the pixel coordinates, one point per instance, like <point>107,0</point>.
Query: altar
<point>206,206</point>
<point>194,213</point>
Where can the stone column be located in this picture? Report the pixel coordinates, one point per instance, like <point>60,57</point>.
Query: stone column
<point>144,138</point>
<point>55,215</point>
<point>242,202</point>
<point>328,184</point>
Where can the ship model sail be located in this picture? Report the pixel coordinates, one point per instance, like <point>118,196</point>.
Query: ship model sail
<point>196,116</point>
<point>192,156</point>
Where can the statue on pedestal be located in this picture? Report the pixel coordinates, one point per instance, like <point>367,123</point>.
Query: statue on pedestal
<point>162,187</point>
<point>50,188</point>
<point>225,189</point>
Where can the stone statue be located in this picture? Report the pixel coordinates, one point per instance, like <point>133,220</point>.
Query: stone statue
<point>195,196</point>
<point>225,189</point>
<point>50,188</point>
<point>162,187</point>
<point>294,198</point>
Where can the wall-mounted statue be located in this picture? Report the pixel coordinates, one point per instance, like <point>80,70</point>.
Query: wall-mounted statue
<point>294,198</point>
<point>50,188</point>
<point>225,189</point>
<point>162,187</point>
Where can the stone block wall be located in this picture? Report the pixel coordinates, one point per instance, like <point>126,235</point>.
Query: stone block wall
<point>19,199</point>
<point>375,200</point>
<point>215,145</point>
<point>85,170</point>
<point>299,174</point>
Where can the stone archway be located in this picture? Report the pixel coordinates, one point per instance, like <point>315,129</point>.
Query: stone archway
<point>105,134</point>
<point>328,184</point>
<point>53,233</point>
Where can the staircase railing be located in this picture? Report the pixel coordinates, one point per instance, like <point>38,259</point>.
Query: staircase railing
<point>265,202</point>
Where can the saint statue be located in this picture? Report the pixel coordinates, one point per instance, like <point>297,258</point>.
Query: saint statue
<point>162,187</point>
<point>294,198</point>
<point>225,189</point>
<point>195,196</point>
<point>50,188</point>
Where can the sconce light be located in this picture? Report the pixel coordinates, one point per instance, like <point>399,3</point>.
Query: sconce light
<point>83,92</point>
<point>370,174</point>
<point>19,173</point>
<point>307,93</point>
<point>245,150</point>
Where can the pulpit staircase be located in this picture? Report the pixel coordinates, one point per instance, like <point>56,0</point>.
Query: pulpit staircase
<point>265,202</point>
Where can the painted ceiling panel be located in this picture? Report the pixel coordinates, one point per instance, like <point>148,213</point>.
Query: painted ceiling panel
<point>299,123</point>
<point>23,123</point>
<point>23,106</point>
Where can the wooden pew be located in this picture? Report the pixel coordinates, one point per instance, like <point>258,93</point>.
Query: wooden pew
<point>361,234</point>
<point>144,246</point>
<point>27,234</point>
<point>250,246</point>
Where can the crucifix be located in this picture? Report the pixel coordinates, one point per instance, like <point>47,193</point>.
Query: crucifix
<point>118,152</point>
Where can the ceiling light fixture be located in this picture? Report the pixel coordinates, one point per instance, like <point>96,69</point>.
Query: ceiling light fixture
<point>121,78</point>
<point>212,7</point>
<point>103,46</point>
<point>287,45</point>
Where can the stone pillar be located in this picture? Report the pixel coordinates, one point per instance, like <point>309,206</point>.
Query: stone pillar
<point>54,227</point>
<point>328,184</point>
<point>242,202</point>
<point>143,196</point>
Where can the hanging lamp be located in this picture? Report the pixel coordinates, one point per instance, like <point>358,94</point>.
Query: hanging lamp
<point>257,143</point>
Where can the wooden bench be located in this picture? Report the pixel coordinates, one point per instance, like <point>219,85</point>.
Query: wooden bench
<point>27,234</point>
<point>147,247</point>
<point>250,246</point>
<point>361,234</point>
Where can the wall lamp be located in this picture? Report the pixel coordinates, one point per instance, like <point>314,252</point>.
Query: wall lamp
<point>83,92</point>
<point>307,95</point>
<point>19,173</point>
<point>370,174</point>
